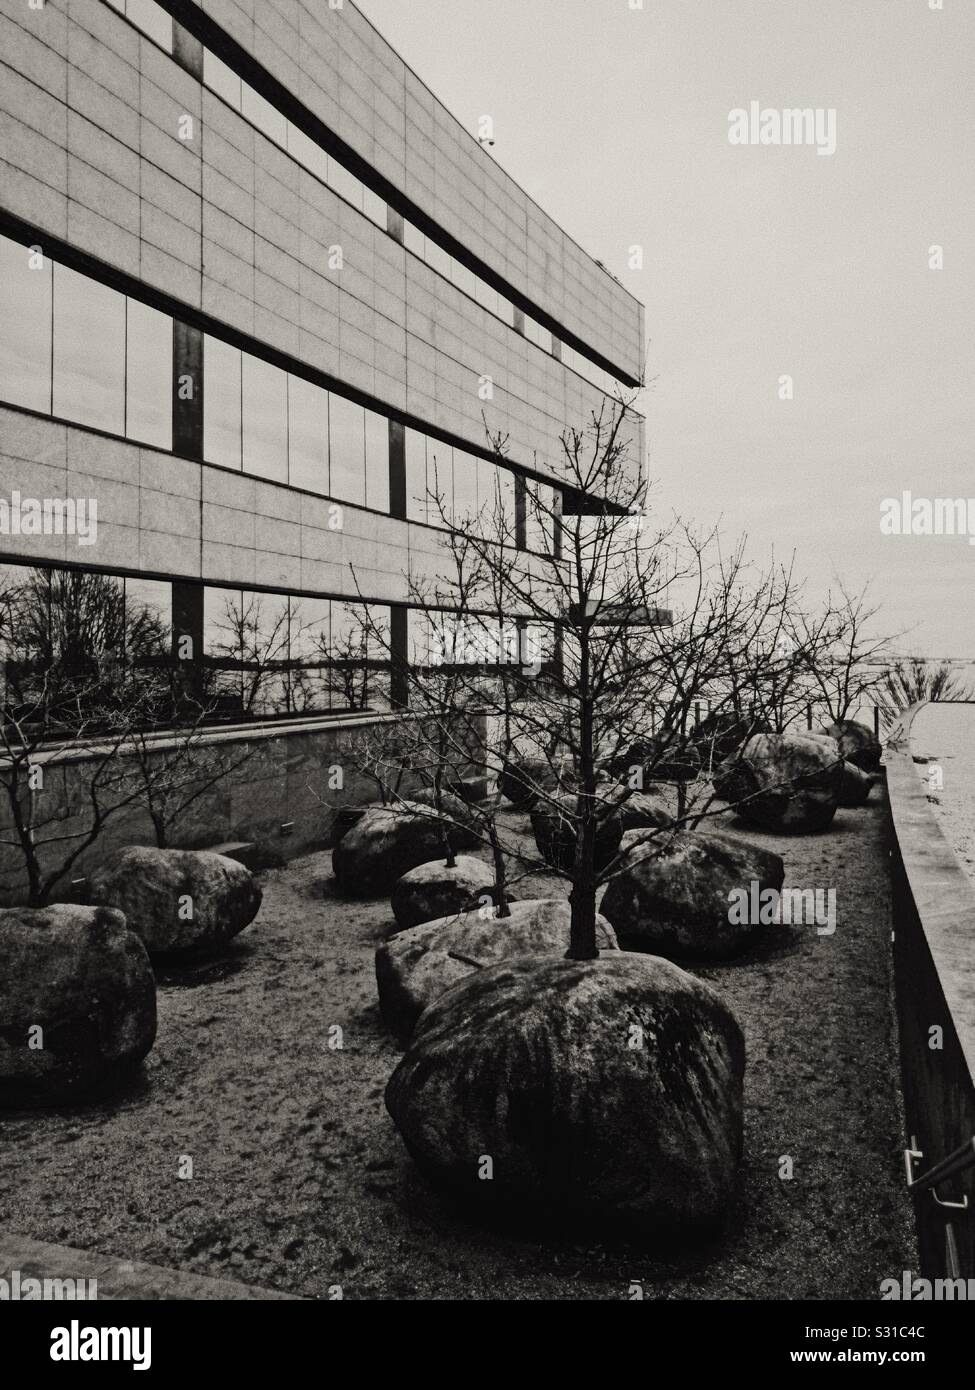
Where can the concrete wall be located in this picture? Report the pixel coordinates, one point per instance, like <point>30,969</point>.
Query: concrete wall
<point>934,930</point>
<point>280,777</point>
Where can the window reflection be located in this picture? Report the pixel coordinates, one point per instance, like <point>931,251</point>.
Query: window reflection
<point>25,327</point>
<point>89,352</point>
<point>347,450</point>
<point>416,476</point>
<point>377,461</point>
<point>221,79</point>
<point>222,403</point>
<point>265,419</point>
<point>148,375</point>
<point>308,435</point>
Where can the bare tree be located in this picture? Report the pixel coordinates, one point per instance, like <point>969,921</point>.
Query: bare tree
<point>570,652</point>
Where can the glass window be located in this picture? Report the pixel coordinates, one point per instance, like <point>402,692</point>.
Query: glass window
<point>264,390</point>
<point>464,279</point>
<point>374,207</point>
<point>221,79</point>
<point>348,651</point>
<point>496,499</point>
<point>265,631</point>
<point>25,327</point>
<point>416,476</point>
<point>148,619</point>
<point>347,449</point>
<point>438,258</point>
<point>544,338</point>
<point>531,328</point>
<point>377,461</point>
<point>346,185</point>
<point>223,641</point>
<point>310,640</point>
<point>465,486</point>
<point>539,526</point>
<point>421,638</point>
<point>307,153</point>
<point>89,352</point>
<point>413,239</point>
<point>262,114</point>
<point>153,20</point>
<point>440,482</point>
<point>307,435</point>
<point>484,294</point>
<point>221,403</point>
<point>148,375</point>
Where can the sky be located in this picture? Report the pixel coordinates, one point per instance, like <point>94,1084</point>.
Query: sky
<point>763,261</point>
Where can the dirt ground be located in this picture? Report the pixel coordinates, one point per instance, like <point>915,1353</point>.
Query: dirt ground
<point>300,1181</point>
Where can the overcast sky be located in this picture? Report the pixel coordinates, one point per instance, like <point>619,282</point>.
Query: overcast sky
<point>763,261</point>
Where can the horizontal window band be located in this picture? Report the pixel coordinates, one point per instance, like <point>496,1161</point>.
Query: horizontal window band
<point>229,51</point>
<point>20,561</point>
<point>72,257</point>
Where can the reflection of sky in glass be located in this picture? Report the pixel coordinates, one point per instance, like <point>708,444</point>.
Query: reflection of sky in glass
<point>465,485</point>
<point>440,481</point>
<point>222,405</point>
<point>377,461</point>
<point>25,329</point>
<point>347,450</point>
<point>416,476</point>
<point>265,408</point>
<point>149,376</point>
<point>308,435</point>
<point>89,352</point>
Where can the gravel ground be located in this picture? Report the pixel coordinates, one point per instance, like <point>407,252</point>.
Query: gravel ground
<point>944,735</point>
<point>300,1181</point>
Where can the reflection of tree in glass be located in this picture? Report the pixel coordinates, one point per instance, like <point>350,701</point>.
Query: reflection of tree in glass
<point>254,639</point>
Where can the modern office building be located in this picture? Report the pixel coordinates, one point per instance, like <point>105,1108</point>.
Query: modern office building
<point>259,293</point>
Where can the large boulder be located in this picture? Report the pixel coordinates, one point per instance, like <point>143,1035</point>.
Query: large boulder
<point>184,904</point>
<point>554,826</point>
<point>386,843</point>
<point>782,782</point>
<point>858,743</point>
<point>77,1003</point>
<point>660,758</point>
<point>721,734</point>
<point>415,967</point>
<point>522,780</point>
<point>855,785</point>
<point>606,1093</point>
<point>437,889</point>
<point>676,899</point>
<point>465,835</point>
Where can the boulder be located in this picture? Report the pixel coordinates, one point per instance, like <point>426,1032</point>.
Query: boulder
<point>521,781</point>
<point>674,898</point>
<point>80,977</point>
<point>605,1094</point>
<point>455,809</point>
<point>643,811</point>
<point>470,789</point>
<point>415,967</point>
<point>554,828</point>
<point>661,758</point>
<point>386,843</point>
<point>855,785</point>
<point>719,735</point>
<point>858,743</point>
<point>782,782</point>
<point>183,904</point>
<point>436,890</point>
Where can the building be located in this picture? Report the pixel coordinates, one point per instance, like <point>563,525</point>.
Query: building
<point>259,293</point>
